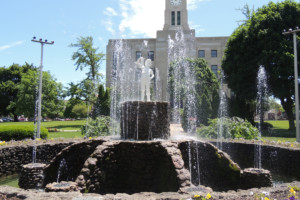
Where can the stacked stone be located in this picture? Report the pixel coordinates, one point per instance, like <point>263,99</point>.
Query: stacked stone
<point>142,120</point>
<point>130,167</point>
<point>256,178</point>
<point>63,186</point>
<point>12,158</point>
<point>32,176</point>
<point>182,173</point>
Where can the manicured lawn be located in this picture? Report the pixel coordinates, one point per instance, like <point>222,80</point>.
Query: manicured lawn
<point>72,128</point>
<point>279,132</point>
<point>65,135</point>
<point>10,181</point>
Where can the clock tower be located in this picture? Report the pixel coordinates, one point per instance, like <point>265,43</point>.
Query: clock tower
<point>176,15</point>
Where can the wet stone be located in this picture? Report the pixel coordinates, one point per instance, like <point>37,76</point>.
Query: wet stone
<point>32,176</point>
<point>141,120</point>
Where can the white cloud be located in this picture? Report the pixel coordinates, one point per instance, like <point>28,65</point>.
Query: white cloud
<point>140,17</point>
<point>193,4</point>
<point>100,38</point>
<point>110,12</point>
<point>8,46</point>
<point>198,28</point>
<point>109,26</point>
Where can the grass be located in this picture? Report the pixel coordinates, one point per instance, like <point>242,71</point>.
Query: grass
<point>10,180</point>
<point>279,132</point>
<point>72,128</point>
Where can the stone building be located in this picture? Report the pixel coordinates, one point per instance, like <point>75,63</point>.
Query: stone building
<point>175,22</point>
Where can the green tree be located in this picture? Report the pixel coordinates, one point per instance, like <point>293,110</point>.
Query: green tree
<point>206,86</point>
<point>10,79</point>
<point>52,95</point>
<point>87,57</point>
<point>80,111</point>
<point>102,105</point>
<point>259,41</point>
<point>207,91</point>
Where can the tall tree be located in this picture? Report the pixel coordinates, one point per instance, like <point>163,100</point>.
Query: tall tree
<point>102,105</point>
<point>10,78</point>
<point>206,86</point>
<point>86,56</point>
<point>259,41</point>
<point>52,95</point>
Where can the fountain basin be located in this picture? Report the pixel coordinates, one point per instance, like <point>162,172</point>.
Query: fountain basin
<point>146,166</point>
<point>62,187</point>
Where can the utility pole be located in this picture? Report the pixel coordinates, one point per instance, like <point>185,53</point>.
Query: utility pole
<point>294,32</point>
<point>40,84</point>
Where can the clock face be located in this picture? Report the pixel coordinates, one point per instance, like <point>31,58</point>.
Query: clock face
<point>175,2</point>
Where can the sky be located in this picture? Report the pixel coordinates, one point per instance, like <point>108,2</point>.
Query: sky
<point>64,21</point>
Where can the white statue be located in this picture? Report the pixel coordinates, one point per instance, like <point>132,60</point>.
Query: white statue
<point>147,76</point>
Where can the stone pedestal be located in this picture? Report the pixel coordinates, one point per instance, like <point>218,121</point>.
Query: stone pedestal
<point>141,120</point>
<point>62,187</point>
<point>32,176</point>
<point>253,177</point>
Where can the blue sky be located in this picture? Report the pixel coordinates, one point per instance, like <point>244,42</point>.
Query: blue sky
<point>63,21</point>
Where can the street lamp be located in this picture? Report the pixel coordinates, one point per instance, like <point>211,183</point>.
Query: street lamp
<point>294,32</point>
<point>40,84</point>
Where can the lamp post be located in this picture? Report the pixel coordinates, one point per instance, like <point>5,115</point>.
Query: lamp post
<point>294,32</point>
<point>40,84</point>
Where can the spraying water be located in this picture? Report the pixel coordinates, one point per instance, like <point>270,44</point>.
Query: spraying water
<point>61,169</point>
<point>181,80</point>
<point>222,114</point>
<point>126,79</point>
<point>35,120</point>
<point>262,95</point>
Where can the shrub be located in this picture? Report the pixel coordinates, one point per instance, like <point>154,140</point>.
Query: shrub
<point>20,132</point>
<point>232,128</point>
<point>101,126</point>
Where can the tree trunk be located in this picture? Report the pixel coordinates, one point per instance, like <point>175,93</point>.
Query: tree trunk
<point>16,118</point>
<point>288,107</point>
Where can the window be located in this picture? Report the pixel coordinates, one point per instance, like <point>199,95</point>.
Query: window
<point>214,68</point>
<point>173,18</point>
<point>201,54</point>
<point>114,67</point>
<point>214,53</point>
<point>178,18</point>
<point>151,55</point>
<point>138,55</point>
<point>115,58</point>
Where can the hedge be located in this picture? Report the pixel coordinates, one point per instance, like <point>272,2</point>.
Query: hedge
<point>20,132</point>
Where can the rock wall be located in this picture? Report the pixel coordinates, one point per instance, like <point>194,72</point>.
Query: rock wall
<point>12,158</point>
<point>142,120</point>
<point>69,162</point>
<point>279,160</point>
<point>148,166</point>
<point>209,166</point>
<point>32,176</point>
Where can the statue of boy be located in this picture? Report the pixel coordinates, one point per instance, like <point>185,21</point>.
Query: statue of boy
<point>146,77</point>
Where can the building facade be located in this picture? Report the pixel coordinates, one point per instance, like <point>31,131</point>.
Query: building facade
<point>158,49</point>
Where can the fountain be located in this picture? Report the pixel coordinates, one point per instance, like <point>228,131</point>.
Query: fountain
<point>262,95</point>
<point>143,159</point>
<point>222,113</point>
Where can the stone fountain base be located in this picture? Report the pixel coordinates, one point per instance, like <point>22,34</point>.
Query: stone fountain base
<point>253,177</point>
<point>62,187</point>
<point>145,120</point>
<point>111,167</point>
<point>32,176</point>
